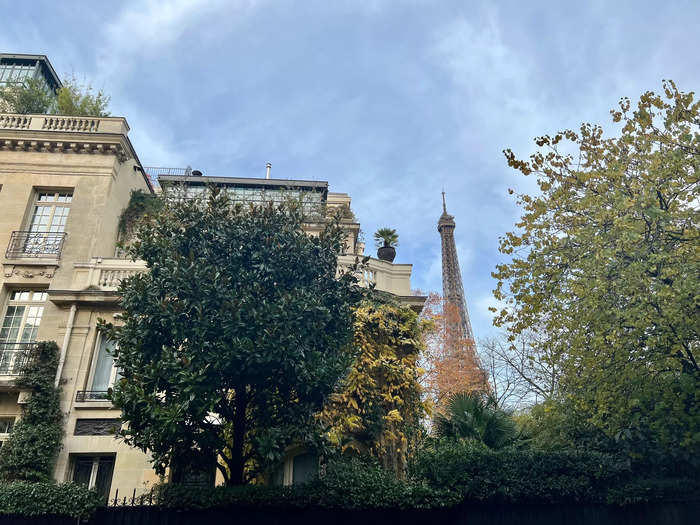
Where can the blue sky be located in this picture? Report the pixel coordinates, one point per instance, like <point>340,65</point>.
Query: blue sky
<point>388,101</point>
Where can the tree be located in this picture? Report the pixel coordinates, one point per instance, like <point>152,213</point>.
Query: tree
<point>378,409</point>
<point>234,337</point>
<point>605,268</point>
<point>386,237</point>
<point>76,99</point>
<point>520,373</point>
<point>30,453</point>
<point>451,362</point>
<point>72,99</point>
<point>31,96</point>
<point>474,415</point>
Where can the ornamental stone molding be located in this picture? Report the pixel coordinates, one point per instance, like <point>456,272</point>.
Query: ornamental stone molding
<point>29,272</point>
<point>57,134</point>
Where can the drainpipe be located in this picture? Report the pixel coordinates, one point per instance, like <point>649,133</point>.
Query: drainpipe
<point>66,339</point>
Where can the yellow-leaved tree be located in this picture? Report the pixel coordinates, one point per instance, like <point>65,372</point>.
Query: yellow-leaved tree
<point>378,410</point>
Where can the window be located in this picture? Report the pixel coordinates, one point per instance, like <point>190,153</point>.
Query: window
<point>95,472</point>
<point>304,468</point>
<point>50,211</point>
<point>43,236</point>
<point>295,469</point>
<point>105,374</point>
<point>6,424</point>
<point>19,327</point>
<point>22,317</point>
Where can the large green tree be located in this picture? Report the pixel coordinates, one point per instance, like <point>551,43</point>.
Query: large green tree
<point>606,270</point>
<point>234,337</point>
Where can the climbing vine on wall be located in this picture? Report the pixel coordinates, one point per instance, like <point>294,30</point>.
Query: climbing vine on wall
<point>31,451</point>
<point>141,204</point>
<point>378,410</point>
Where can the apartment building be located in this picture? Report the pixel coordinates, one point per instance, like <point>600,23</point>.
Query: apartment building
<point>64,182</point>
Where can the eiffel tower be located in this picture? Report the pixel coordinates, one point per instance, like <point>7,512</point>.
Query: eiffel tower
<point>458,327</point>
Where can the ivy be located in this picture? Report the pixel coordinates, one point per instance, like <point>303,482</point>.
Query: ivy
<point>31,451</point>
<point>141,204</point>
<point>377,411</point>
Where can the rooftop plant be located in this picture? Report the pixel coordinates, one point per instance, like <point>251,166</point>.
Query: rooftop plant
<point>386,237</point>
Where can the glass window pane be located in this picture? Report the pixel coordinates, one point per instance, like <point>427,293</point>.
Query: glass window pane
<point>305,468</point>
<point>103,481</point>
<point>103,367</point>
<point>46,197</point>
<point>82,470</point>
<point>6,424</point>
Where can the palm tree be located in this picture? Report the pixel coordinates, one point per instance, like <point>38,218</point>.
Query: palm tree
<point>471,415</point>
<point>386,237</point>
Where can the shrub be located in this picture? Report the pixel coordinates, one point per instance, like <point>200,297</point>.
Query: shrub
<point>475,472</point>
<point>446,474</point>
<point>40,499</point>
<point>655,489</point>
<point>347,484</point>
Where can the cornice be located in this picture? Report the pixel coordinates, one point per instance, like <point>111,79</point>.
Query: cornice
<point>49,142</point>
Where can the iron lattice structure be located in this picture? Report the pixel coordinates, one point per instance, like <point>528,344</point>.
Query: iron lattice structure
<point>452,288</point>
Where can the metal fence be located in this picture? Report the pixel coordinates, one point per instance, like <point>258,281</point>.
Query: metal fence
<point>132,500</point>
<point>35,244</point>
<point>13,357</point>
<point>82,396</point>
<point>154,172</point>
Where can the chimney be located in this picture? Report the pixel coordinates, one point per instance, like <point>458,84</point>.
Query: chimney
<point>268,167</point>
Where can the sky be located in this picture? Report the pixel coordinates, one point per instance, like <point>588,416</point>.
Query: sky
<point>389,101</point>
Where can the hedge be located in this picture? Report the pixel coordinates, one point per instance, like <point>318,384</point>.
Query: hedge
<point>446,474</point>
<point>22,498</point>
<point>346,485</point>
<point>478,473</point>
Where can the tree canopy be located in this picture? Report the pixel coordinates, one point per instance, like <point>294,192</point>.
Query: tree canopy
<point>451,362</point>
<point>234,337</point>
<point>72,99</point>
<point>605,270</point>
<point>30,97</point>
<point>378,409</point>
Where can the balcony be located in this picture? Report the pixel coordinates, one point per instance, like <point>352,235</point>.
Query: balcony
<point>12,121</point>
<point>105,274</point>
<point>28,244</point>
<point>88,396</point>
<point>13,357</point>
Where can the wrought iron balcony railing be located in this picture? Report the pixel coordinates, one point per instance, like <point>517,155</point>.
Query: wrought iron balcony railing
<point>82,396</point>
<point>13,357</point>
<point>35,244</point>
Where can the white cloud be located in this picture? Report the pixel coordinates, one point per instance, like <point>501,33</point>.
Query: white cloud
<point>143,28</point>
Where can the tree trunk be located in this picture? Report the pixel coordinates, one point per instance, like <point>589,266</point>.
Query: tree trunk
<point>237,462</point>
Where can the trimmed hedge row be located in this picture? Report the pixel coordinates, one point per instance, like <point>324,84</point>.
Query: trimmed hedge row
<point>346,485</point>
<point>23,498</point>
<point>519,476</point>
<point>447,474</point>
<point>545,476</point>
<point>442,475</point>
